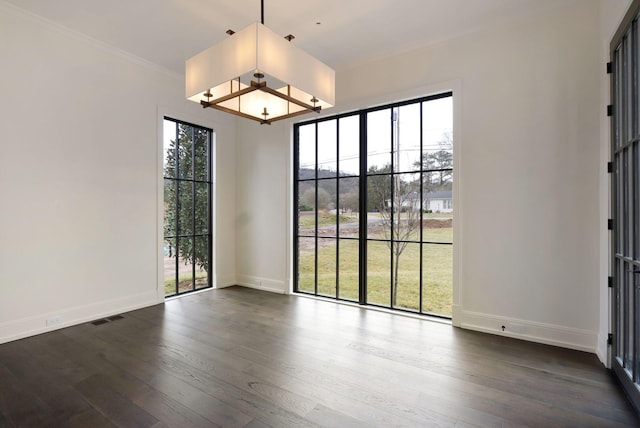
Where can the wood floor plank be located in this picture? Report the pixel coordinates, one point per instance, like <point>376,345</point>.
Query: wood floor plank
<point>139,378</point>
<point>239,357</point>
<point>344,384</point>
<point>225,404</point>
<point>20,405</point>
<point>96,389</point>
<point>53,390</point>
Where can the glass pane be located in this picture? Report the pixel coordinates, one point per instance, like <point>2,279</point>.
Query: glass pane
<point>439,160</point>
<point>635,73</point>
<point>307,152</point>
<point>620,302</point>
<point>378,206</point>
<point>201,160</point>
<point>378,273</point>
<point>327,149</point>
<point>185,208</point>
<point>169,266</point>
<point>306,264</point>
<point>348,269</point>
<point>406,276</point>
<point>618,100</point>
<point>625,217</point>
<point>327,191</point>
<point>437,125</point>
<point>437,279</point>
<point>629,93</point>
<point>406,138</point>
<point>185,264</point>
<point>169,149</point>
<point>350,145</point>
<point>327,267</point>
<point>635,231</point>
<point>327,212</point>
<point>403,213</point>
<point>170,207</point>
<point>349,204</point>
<point>307,208</point>
<point>201,208</point>
<point>202,261</point>
<point>185,151</point>
<point>437,224</point>
<point>379,141</point>
<point>630,298</point>
<point>619,175</point>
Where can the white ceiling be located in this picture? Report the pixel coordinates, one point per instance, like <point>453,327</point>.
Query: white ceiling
<point>167,32</point>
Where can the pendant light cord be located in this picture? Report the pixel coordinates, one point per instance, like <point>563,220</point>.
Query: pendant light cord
<point>262,11</point>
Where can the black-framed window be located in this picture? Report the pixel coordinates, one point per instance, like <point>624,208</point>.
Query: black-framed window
<point>625,204</point>
<point>373,206</point>
<point>187,176</point>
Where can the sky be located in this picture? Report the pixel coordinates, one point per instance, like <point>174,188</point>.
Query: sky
<point>438,120</point>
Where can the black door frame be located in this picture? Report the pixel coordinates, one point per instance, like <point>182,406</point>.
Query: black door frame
<point>625,204</point>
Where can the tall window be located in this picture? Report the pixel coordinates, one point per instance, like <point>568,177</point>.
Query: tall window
<point>374,213</point>
<point>187,207</point>
<point>625,157</point>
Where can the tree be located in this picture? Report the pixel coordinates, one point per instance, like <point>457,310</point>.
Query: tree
<point>379,187</point>
<point>186,195</point>
<point>439,163</point>
<point>309,198</point>
<point>349,201</point>
<point>399,205</point>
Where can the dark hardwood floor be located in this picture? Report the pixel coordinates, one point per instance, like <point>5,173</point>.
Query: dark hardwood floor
<point>242,358</point>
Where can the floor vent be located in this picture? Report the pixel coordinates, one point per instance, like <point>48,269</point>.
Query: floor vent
<point>107,319</point>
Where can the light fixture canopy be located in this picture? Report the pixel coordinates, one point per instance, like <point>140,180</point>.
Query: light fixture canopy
<point>259,75</point>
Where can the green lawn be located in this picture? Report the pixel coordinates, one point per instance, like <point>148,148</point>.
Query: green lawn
<point>436,275</point>
<point>307,219</point>
<point>184,282</point>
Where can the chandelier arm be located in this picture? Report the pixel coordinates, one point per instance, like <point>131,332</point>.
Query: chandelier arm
<point>237,113</point>
<point>288,116</point>
<point>228,97</point>
<point>285,97</point>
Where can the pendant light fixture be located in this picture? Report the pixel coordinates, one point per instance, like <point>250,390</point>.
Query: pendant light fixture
<point>258,75</point>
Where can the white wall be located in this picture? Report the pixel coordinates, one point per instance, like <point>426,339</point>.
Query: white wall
<point>263,223</point>
<point>79,170</point>
<point>529,146</point>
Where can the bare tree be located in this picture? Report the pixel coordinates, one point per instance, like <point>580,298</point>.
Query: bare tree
<point>401,220</point>
<point>399,203</point>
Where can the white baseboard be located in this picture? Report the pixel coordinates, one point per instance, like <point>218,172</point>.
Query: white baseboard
<point>264,284</point>
<point>225,281</point>
<point>31,326</point>
<point>581,340</point>
<point>456,315</point>
<point>603,351</point>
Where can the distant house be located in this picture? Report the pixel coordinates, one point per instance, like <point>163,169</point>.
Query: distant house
<point>437,202</point>
<point>440,201</point>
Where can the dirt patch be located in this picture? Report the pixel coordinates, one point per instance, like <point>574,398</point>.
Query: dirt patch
<point>350,230</point>
<point>437,223</point>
